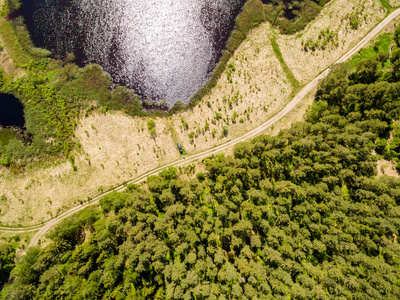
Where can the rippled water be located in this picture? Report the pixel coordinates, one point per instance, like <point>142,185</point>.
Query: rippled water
<point>164,50</point>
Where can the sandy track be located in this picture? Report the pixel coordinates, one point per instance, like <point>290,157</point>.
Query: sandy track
<point>295,101</point>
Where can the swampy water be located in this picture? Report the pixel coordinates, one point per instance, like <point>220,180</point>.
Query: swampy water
<point>11,111</point>
<point>162,49</point>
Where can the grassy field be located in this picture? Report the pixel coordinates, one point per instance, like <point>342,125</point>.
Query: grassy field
<point>381,44</point>
<point>115,147</point>
<point>347,22</point>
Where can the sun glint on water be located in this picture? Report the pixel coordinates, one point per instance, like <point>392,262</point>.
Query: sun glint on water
<point>164,50</point>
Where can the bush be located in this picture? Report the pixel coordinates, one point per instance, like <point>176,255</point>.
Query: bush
<point>201,176</point>
<point>13,5</point>
<point>25,39</point>
<point>225,131</point>
<point>151,125</point>
<point>307,11</point>
<point>90,83</point>
<point>397,36</point>
<point>124,99</point>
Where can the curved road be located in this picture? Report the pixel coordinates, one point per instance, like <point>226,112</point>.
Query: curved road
<point>42,229</point>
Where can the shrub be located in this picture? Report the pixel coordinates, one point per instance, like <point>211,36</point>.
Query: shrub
<point>90,83</point>
<point>201,176</point>
<point>124,99</point>
<point>225,131</point>
<point>151,125</point>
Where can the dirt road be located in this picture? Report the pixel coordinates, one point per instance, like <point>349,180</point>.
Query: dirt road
<point>296,100</point>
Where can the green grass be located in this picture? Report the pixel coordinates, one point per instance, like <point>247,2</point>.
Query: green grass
<point>293,81</point>
<point>16,38</point>
<point>386,5</point>
<point>6,135</point>
<point>22,33</point>
<point>11,43</point>
<point>381,45</point>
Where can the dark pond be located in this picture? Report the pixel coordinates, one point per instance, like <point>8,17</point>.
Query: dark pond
<point>162,49</point>
<point>11,111</point>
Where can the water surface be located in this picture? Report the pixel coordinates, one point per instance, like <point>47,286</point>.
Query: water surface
<point>162,49</point>
<point>11,111</point>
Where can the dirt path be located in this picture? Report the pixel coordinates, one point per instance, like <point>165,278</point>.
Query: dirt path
<point>18,230</point>
<point>296,100</point>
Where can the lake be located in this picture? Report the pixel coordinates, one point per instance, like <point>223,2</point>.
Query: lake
<point>11,111</point>
<point>163,50</point>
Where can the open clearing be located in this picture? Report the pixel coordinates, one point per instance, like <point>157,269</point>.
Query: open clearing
<point>387,168</point>
<point>116,147</point>
<point>295,115</point>
<point>394,3</point>
<point>6,61</point>
<point>252,89</point>
<point>336,17</point>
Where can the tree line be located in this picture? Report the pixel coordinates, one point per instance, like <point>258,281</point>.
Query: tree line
<point>301,215</point>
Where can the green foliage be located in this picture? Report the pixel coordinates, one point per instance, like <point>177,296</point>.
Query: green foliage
<point>386,5</point>
<point>123,99</point>
<point>14,48</point>
<point>89,83</point>
<point>381,45</point>
<point>13,5</point>
<point>7,253</point>
<point>293,81</point>
<point>292,16</point>
<point>397,36</point>
<point>326,38</point>
<point>24,277</point>
<point>295,216</point>
<point>391,149</point>
<point>151,126</point>
<point>50,116</point>
<point>200,176</point>
<point>169,174</point>
<point>354,17</point>
<point>25,40</point>
<point>224,131</point>
<point>6,135</point>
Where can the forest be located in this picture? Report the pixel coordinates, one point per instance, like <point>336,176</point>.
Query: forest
<point>301,215</point>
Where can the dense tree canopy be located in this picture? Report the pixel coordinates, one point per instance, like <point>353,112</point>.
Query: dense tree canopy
<point>7,253</point>
<point>298,216</point>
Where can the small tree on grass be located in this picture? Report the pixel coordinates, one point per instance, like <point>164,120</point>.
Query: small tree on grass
<point>151,125</point>
<point>224,131</point>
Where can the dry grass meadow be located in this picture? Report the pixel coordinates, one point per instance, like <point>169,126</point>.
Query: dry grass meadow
<point>335,17</point>
<point>387,168</point>
<point>252,89</point>
<point>116,147</point>
<point>394,3</point>
<point>6,61</point>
